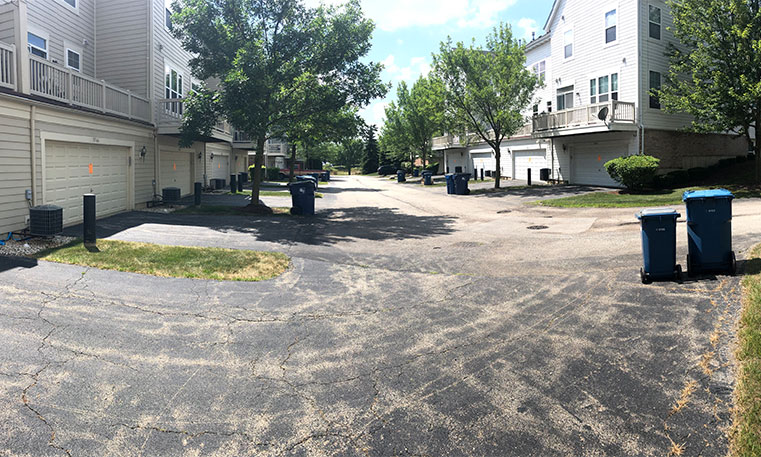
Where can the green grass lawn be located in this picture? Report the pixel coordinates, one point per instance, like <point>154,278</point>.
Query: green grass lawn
<point>273,193</point>
<point>746,429</point>
<point>173,261</point>
<point>229,210</point>
<point>501,190</point>
<point>621,199</point>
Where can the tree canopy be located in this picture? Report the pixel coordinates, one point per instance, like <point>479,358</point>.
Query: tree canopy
<point>275,63</point>
<point>486,88</point>
<point>716,75</point>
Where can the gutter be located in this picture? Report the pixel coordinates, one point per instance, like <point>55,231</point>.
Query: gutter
<point>33,150</point>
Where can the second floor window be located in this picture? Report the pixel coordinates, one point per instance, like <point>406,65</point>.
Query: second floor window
<point>168,19</point>
<point>565,98</point>
<point>73,3</point>
<point>73,60</point>
<point>173,89</point>
<point>610,26</point>
<point>603,89</point>
<point>655,86</point>
<point>38,46</point>
<point>539,69</point>
<point>655,22</point>
<point>568,44</point>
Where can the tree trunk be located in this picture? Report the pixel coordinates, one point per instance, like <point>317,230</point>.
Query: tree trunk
<point>258,162</point>
<point>498,172</point>
<point>757,151</point>
<point>292,171</point>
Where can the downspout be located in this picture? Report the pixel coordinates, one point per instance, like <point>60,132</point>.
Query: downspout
<point>33,151</point>
<point>640,79</point>
<point>552,157</point>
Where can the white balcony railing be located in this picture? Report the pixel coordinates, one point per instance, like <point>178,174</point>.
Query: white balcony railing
<point>241,137</point>
<point>618,112</point>
<point>170,116</point>
<point>7,66</point>
<point>68,86</point>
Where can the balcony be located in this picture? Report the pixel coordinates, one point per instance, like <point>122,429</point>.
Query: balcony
<point>54,82</point>
<point>243,140</point>
<point>7,66</point>
<point>169,120</point>
<point>453,141</point>
<point>584,119</point>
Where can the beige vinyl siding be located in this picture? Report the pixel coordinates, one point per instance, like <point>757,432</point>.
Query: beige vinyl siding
<point>167,49</point>
<point>63,23</point>
<point>7,32</point>
<point>592,57</point>
<point>15,169</point>
<point>654,59</point>
<point>122,44</point>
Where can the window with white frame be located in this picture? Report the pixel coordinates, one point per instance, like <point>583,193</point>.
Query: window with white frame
<point>173,88</point>
<point>655,86</point>
<point>654,19</point>
<point>72,3</point>
<point>549,106</point>
<point>540,69</point>
<point>73,56</point>
<point>565,98</point>
<point>168,15</point>
<point>38,45</point>
<point>603,89</point>
<point>611,20</point>
<point>568,44</point>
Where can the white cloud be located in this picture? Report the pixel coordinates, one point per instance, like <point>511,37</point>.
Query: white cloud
<point>392,15</point>
<point>417,66</point>
<point>375,113</point>
<point>528,27</point>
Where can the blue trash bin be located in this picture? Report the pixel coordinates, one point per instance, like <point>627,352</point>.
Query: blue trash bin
<point>461,183</point>
<point>302,197</point>
<point>307,178</point>
<point>709,231</point>
<point>400,176</point>
<point>416,173</point>
<point>427,178</point>
<point>659,244</point>
<point>450,184</point>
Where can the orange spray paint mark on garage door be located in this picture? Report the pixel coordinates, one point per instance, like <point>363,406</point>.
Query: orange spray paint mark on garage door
<point>599,158</point>
<point>90,168</point>
<point>219,165</point>
<point>174,166</point>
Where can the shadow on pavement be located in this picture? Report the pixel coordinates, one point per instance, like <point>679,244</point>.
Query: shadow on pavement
<point>327,227</point>
<point>543,191</point>
<point>11,262</point>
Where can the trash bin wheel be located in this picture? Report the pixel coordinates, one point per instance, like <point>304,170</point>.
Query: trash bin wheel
<point>733,266</point>
<point>296,211</point>
<point>644,276</point>
<point>678,272</point>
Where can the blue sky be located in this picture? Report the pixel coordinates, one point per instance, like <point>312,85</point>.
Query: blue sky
<point>408,31</point>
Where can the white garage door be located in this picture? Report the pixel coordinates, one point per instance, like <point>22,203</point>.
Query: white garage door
<point>74,169</point>
<point>523,160</point>
<point>484,162</point>
<point>588,164</point>
<point>175,170</point>
<point>220,167</point>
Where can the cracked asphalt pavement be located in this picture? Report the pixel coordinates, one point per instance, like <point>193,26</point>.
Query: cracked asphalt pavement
<point>410,323</point>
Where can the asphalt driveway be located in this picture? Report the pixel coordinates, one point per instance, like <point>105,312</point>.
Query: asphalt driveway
<point>411,323</point>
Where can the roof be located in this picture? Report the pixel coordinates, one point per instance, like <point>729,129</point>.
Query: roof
<point>553,12</point>
<point>537,41</point>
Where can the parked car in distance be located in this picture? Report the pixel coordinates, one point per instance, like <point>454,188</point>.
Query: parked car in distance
<point>384,170</point>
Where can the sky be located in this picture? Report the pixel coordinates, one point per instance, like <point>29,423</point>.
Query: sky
<point>409,31</point>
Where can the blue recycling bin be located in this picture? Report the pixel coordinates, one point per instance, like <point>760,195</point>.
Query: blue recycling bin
<point>400,176</point>
<point>416,173</point>
<point>659,244</point>
<point>461,183</point>
<point>450,184</point>
<point>709,231</point>
<point>302,197</point>
<point>427,178</point>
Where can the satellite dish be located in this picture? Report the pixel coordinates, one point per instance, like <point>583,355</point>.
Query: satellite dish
<point>603,114</point>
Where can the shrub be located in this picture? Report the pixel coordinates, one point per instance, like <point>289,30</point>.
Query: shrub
<point>678,178</point>
<point>698,173</point>
<point>634,172</point>
<point>406,166</point>
<point>273,173</point>
<point>432,167</point>
<point>251,172</point>
<point>727,162</point>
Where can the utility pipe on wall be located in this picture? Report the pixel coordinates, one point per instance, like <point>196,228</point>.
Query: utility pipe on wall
<point>33,151</point>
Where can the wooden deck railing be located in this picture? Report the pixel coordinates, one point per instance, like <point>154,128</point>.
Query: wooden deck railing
<point>585,116</point>
<point>8,65</point>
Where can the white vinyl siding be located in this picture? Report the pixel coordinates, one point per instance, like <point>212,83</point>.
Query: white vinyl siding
<point>167,51</point>
<point>66,24</point>
<point>7,24</point>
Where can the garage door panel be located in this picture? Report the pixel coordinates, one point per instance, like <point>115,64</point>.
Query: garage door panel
<point>534,159</point>
<point>175,170</point>
<point>220,167</point>
<point>588,164</point>
<point>68,177</point>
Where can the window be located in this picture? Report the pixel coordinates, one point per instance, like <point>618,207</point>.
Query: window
<point>603,89</point>
<point>655,22</point>
<point>549,107</point>
<point>173,89</point>
<point>568,44</point>
<point>535,109</point>
<point>565,98</point>
<point>539,69</point>
<point>72,3</point>
<point>73,59</point>
<point>655,85</point>
<point>168,19</point>
<point>610,26</point>
<point>38,45</point>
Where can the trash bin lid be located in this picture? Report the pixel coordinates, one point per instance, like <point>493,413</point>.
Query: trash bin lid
<point>712,193</point>
<point>656,212</point>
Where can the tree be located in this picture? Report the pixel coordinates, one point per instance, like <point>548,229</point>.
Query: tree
<point>421,113</point>
<point>350,153</point>
<point>395,137</point>
<point>371,159</point>
<point>486,89</point>
<point>716,75</point>
<point>276,63</point>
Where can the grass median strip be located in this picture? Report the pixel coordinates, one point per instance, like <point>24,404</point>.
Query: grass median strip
<point>173,261</point>
<point>746,428</point>
<point>618,199</point>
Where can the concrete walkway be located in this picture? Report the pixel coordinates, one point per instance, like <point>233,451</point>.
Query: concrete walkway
<point>410,323</point>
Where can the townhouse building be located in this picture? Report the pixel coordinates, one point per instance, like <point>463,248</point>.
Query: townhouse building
<point>91,100</point>
<point>599,61</point>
